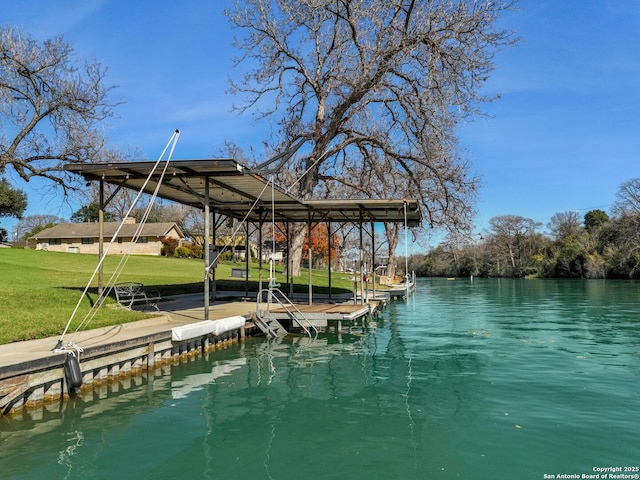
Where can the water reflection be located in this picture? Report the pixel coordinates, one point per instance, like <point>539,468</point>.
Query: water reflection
<point>490,379</point>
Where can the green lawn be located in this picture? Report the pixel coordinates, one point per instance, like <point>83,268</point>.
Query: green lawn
<point>39,290</point>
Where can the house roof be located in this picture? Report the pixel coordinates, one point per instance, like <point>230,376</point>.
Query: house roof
<point>234,189</point>
<point>90,230</point>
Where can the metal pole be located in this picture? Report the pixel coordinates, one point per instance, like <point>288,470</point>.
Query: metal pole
<point>207,259</point>
<point>246,259</point>
<point>406,250</point>
<point>100,238</point>
<point>373,257</point>
<point>260,255</point>
<point>288,247</point>
<point>310,259</point>
<point>212,270</point>
<point>360,269</point>
<point>329,254</point>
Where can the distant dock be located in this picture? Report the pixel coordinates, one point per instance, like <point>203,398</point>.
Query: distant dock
<point>401,290</point>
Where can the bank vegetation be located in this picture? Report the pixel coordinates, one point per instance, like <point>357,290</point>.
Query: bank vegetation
<point>596,246</point>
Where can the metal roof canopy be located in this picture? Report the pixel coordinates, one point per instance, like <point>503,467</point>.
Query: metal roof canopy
<point>234,189</point>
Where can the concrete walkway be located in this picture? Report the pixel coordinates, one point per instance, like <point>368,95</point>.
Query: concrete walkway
<point>180,310</point>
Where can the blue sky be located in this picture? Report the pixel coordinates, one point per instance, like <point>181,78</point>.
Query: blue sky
<point>563,136</point>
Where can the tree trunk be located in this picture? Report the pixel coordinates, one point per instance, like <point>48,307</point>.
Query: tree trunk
<point>298,234</point>
<point>512,257</point>
<point>392,232</point>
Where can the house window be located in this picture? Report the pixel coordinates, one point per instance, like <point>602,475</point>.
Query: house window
<point>87,241</point>
<point>55,241</point>
<point>119,239</point>
<point>142,240</point>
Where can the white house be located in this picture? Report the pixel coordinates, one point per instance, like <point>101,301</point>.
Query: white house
<point>84,237</point>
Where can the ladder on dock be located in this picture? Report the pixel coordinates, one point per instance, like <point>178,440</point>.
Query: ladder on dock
<point>269,325</point>
<point>267,322</point>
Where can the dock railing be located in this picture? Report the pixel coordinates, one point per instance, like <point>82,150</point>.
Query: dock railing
<point>289,307</point>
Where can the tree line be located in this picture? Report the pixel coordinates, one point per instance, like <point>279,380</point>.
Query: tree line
<point>598,245</point>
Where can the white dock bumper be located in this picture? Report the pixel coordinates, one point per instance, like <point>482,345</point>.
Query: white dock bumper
<point>229,323</point>
<point>193,330</point>
<point>207,327</point>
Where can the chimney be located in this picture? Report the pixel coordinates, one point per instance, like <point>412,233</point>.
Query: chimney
<point>129,221</point>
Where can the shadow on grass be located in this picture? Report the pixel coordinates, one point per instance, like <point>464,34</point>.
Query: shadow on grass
<point>223,285</point>
<point>165,290</point>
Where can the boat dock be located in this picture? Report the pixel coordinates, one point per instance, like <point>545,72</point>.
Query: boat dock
<point>33,376</point>
<point>401,290</point>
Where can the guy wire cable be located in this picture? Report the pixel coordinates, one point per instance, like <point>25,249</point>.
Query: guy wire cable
<point>173,139</point>
<point>124,258</point>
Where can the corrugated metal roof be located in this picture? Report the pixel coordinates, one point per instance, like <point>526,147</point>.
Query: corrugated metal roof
<point>234,189</point>
<point>90,230</point>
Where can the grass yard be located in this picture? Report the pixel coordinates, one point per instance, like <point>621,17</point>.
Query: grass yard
<point>39,290</point>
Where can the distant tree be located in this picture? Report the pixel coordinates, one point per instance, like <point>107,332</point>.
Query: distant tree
<point>565,225</point>
<point>439,262</point>
<point>418,264</point>
<point>51,110</point>
<point>514,233</point>
<point>568,255</point>
<point>627,198</point>
<point>320,245</point>
<point>451,196</point>
<point>32,224</point>
<point>567,258</point>
<point>622,248</point>
<point>594,219</point>
<point>119,199</point>
<point>191,222</point>
<point>13,202</point>
<point>91,213</point>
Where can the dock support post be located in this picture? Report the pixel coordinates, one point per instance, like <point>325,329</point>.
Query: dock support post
<point>361,264</point>
<point>309,254</point>
<point>329,253</point>
<point>207,260</point>
<point>373,258</point>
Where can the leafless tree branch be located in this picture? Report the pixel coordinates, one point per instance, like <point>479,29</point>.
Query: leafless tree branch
<point>50,109</point>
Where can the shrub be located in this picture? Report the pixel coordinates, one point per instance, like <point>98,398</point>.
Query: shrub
<point>182,252</point>
<point>169,246</point>
<point>196,251</point>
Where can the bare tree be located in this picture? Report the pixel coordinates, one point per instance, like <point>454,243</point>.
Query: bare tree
<point>32,224</point>
<point>565,226</point>
<point>627,198</point>
<point>50,109</point>
<point>447,199</point>
<point>513,232</point>
<point>358,76</point>
<point>119,199</point>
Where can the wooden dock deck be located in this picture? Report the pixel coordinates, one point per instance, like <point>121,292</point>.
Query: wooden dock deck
<point>323,315</point>
<point>401,290</point>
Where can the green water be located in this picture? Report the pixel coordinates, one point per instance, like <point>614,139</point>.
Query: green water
<point>491,379</point>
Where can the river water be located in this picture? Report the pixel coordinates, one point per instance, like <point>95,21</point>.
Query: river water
<point>484,379</point>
